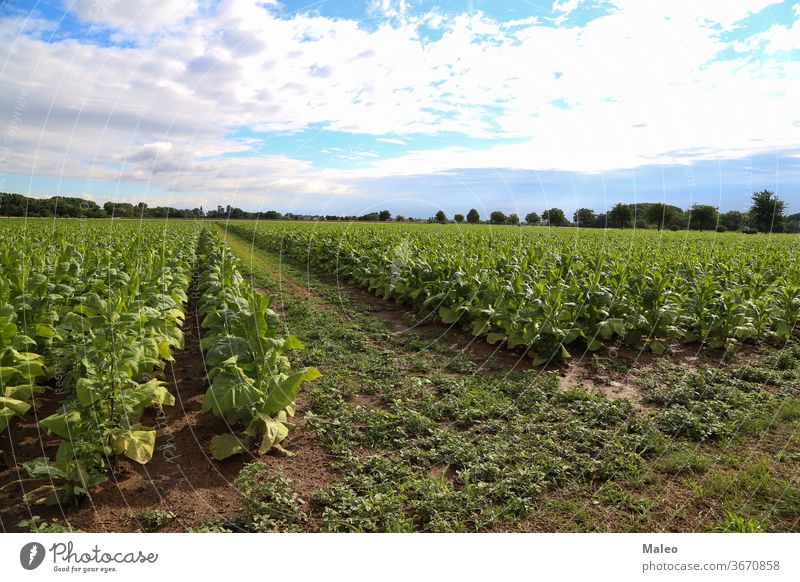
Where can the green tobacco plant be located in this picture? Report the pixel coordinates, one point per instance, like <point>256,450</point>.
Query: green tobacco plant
<point>250,376</point>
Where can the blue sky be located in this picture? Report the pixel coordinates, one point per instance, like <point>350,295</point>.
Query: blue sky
<point>411,105</point>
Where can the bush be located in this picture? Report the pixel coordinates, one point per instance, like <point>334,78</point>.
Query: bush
<point>674,227</point>
<point>749,230</point>
<point>721,228</point>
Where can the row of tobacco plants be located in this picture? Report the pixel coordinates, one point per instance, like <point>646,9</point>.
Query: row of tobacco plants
<point>89,312</point>
<point>251,384</point>
<point>89,315</point>
<point>542,289</point>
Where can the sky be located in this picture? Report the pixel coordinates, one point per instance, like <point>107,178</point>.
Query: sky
<point>346,107</point>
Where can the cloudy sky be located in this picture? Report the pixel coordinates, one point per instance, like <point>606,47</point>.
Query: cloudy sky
<point>346,106</point>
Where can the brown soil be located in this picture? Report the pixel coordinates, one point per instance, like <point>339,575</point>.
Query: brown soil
<point>366,400</point>
<point>20,443</point>
<point>309,468</point>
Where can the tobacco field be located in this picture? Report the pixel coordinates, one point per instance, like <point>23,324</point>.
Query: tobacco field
<point>293,376</point>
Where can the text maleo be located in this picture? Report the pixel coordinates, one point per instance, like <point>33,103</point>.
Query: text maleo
<point>659,549</point>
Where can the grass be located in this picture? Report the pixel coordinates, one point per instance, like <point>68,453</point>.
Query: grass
<point>268,502</point>
<point>440,446</point>
<point>150,520</point>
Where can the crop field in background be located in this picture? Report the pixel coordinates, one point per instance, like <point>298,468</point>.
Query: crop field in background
<point>544,289</point>
<point>289,376</point>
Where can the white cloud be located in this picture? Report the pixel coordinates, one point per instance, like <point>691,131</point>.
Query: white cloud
<point>641,83</point>
<point>565,8</point>
<point>389,8</point>
<point>779,38</point>
<point>143,16</point>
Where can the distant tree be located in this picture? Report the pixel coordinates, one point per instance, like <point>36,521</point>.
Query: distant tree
<point>513,219</point>
<point>473,217</point>
<point>584,217</point>
<point>601,221</point>
<point>703,217</point>
<point>497,217</point>
<point>440,217</point>
<point>555,217</point>
<point>662,215</point>
<point>792,223</point>
<point>400,218</point>
<point>532,219</point>
<point>119,209</point>
<point>733,220</point>
<point>620,216</point>
<point>766,213</point>
<point>384,215</point>
<point>459,218</point>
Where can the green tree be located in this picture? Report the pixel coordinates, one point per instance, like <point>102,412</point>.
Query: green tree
<point>459,218</point>
<point>621,215</point>
<point>792,223</point>
<point>584,217</point>
<point>513,219</point>
<point>119,209</point>
<point>662,215</point>
<point>473,217</point>
<point>441,217</point>
<point>384,215</point>
<point>766,212</point>
<point>733,220</point>
<point>703,217</point>
<point>532,219</point>
<point>555,217</point>
<point>497,217</point>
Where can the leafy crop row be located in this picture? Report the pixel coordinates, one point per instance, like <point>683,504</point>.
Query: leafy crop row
<point>104,306</point>
<point>545,289</point>
<point>251,382</point>
<point>28,309</point>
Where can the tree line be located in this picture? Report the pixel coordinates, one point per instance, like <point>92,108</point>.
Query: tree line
<point>71,207</point>
<point>767,213</point>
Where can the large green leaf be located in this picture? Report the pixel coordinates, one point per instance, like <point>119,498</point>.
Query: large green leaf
<point>41,467</point>
<point>87,391</point>
<point>226,445</point>
<point>61,423</point>
<point>231,390</point>
<point>18,407</point>
<point>448,315</point>
<point>283,390</point>
<point>135,444</point>
<point>225,347</point>
<point>6,414</point>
